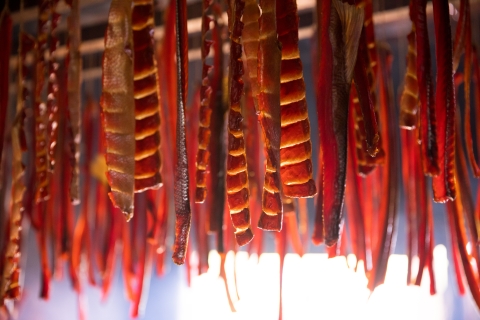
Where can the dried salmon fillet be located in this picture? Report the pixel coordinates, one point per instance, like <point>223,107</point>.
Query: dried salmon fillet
<point>269,64</point>
<point>296,167</point>
<point>118,107</point>
<point>146,93</point>
<point>204,132</point>
<point>238,191</point>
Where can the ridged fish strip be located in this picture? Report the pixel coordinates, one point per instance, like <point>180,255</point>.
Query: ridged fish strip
<point>41,116</point>
<point>409,99</point>
<point>269,64</point>
<point>74,63</point>
<point>296,167</point>
<point>146,94</point>
<point>250,38</point>
<point>182,197</point>
<point>118,108</point>
<point>444,184</point>
<point>238,191</point>
<point>204,132</point>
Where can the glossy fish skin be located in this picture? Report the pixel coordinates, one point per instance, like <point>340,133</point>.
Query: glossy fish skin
<point>118,107</point>
<point>345,28</point>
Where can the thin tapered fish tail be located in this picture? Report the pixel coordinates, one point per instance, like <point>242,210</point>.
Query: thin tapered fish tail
<point>269,67</point>
<point>346,24</point>
<point>428,121</point>
<point>204,133</point>
<point>444,184</point>
<point>238,189</point>
<point>147,102</point>
<point>296,167</point>
<point>181,195</point>
<point>409,100</point>
<point>250,37</point>
<point>118,109</point>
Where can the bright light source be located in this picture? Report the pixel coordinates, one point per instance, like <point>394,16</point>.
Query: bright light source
<point>314,287</point>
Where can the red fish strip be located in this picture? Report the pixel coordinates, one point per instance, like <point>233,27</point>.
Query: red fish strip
<point>467,90</point>
<point>388,201</point>
<point>444,183</point>
<point>325,118</point>
<point>428,122</point>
